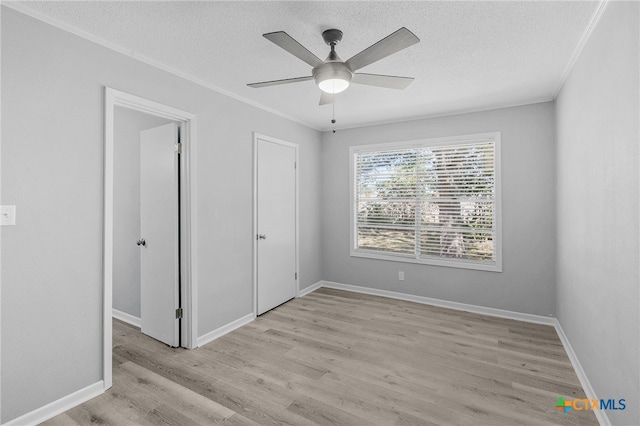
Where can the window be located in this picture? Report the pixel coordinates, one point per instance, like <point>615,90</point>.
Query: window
<point>434,201</point>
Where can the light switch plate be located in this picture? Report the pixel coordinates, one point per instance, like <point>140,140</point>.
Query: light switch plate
<point>7,215</point>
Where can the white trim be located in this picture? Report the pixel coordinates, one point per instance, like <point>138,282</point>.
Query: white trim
<point>257,136</point>
<point>59,406</point>
<point>310,289</point>
<point>601,415</point>
<point>500,313</point>
<point>125,317</point>
<point>495,137</point>
<point>580,46</point>
<point>190,234</point>
<point>228,328</point>
<point>187,122</point>
<point>107,238</point>
<point>148,61</point>
<point>448,113</point>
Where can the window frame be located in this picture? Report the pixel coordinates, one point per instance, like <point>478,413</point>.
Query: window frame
<point>495,137</point>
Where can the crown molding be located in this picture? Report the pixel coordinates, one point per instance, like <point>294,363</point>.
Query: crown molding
<point>448,113</point>
<point>597,14</point>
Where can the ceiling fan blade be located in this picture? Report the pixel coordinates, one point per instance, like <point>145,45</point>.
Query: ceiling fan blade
<point>388,81</point>
<point>327,98</point>
<point>389,45</point>
<point>277,82</point>
<point>289,44</point>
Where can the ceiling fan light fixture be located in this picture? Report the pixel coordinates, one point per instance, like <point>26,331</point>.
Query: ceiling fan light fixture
<point>333,85</point>
<point>332,77</point>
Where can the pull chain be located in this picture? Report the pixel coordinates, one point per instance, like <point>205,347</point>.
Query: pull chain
<point>333,119</point>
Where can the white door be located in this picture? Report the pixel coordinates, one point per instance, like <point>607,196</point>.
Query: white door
<point>159,268</point>
<point>276,224</point>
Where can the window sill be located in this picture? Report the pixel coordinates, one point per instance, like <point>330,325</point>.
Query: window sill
<point>462,264</point>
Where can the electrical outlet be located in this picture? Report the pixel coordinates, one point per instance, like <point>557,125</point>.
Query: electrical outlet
<point>400,275</point>
<point>7,215</point>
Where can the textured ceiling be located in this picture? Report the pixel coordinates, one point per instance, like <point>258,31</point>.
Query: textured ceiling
<point>472,55</point>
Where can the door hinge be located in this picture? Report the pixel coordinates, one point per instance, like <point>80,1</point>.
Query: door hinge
<point>178,148</point>
<point>178,313</point>
<point>296,275</point>
<point>295,164</point>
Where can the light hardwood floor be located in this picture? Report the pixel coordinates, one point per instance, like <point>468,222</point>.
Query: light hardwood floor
<point>335,357</point>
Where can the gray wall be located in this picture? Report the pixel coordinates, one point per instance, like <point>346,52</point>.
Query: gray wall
<point>52,156</point>
<point>126,206</point>
<point>598,184</point>
<point>52,169</point>
<point>527,283</point>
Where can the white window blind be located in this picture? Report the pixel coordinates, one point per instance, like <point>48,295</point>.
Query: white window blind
<point>429,202</point>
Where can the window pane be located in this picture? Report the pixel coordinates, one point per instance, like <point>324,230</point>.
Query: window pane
<point>457,187</point>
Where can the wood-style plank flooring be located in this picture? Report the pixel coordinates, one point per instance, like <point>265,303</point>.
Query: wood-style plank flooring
<point>341,358</point>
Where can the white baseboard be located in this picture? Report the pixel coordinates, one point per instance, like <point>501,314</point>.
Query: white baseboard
<point>310,289</point>
<point>60,406</point>
<point>537,319</point>
<point>219,332</point>
<point>601,415</point>
<point>125,317</point>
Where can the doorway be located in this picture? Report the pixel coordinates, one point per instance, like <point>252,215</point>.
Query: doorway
<point>145,225</point>
<point>275,222</point>
<point>185,235</point>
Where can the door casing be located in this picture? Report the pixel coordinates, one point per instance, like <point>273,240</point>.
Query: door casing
<point>188,223</point>
<point>256,137</point>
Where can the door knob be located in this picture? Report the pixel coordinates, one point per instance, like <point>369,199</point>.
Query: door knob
<point>262,237</point>
<point>141,242</point>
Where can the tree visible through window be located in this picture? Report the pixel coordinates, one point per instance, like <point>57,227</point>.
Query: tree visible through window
<point>433,200</point>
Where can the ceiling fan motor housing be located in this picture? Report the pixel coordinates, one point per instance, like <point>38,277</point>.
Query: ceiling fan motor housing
<point>331,70</point>
<point>333,67</point>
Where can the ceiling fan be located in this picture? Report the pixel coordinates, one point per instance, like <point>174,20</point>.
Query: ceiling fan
<point>333,75</point>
